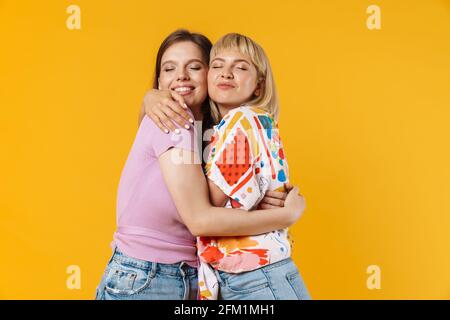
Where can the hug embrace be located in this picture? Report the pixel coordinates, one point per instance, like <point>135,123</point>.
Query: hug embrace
<point>215,229</point>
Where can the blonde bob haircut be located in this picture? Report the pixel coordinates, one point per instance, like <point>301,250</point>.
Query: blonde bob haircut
<point>268,98</point>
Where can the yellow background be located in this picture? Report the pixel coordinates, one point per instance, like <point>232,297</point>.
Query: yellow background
<point>365,121</point>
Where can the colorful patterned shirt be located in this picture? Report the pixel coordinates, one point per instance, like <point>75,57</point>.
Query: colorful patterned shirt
<point>245,161</point>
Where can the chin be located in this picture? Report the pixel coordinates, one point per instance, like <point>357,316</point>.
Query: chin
<point>222,100</point>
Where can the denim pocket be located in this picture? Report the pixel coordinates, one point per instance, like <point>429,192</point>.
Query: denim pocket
<point>295,280</point>
<point>246,282</point>
<point>125,280</point>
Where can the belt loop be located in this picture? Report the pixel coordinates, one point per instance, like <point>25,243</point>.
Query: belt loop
<point>113,254</point>
<point>153,269</point>
<point>185,281</point>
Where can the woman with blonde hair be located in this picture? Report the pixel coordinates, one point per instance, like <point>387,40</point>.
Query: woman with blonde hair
<point>246,160</point>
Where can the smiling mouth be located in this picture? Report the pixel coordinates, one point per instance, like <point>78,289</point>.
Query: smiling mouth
<point>184,90</point>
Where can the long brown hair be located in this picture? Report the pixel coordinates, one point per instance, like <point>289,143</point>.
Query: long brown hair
<point>205,46</point>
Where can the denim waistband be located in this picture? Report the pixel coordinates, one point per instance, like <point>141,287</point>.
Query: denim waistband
<point>176,269</point>
<point>222,275</point>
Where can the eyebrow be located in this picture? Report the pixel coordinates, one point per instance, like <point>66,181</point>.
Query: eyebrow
<point>234,61</point>
<point>189,61</point>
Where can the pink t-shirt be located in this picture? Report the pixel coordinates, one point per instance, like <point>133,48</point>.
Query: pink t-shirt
<point>148,224</point>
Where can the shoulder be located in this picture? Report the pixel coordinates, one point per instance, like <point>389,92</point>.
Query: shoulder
<point>249,117</point>
<point>160,141</point>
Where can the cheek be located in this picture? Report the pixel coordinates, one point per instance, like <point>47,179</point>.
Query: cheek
<point>211,91</point>
<point>201,80</point>
<point>211,76</point>
<point>247,83</point>
<point>202,92</point>
<point>164,81</point>
<point>210,82</point>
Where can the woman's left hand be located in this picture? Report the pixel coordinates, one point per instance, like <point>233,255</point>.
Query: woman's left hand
<point>275,199</point>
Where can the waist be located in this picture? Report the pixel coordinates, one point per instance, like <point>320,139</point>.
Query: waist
<point>241,254</point>
<point>151,245</point>
<point>173,269</point>
<point>155,235</point>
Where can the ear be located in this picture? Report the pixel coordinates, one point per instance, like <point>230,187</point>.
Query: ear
<point>258,89</point>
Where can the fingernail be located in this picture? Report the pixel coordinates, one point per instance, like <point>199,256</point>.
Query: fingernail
<point>177,131</point>
<point>186,126</point>
<point>191,120</point>
<point>166,131</point>
<point>185,105</point>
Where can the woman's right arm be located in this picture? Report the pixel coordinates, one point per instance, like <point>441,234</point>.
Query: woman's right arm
<point>163,107</point>
<point>188,188</point>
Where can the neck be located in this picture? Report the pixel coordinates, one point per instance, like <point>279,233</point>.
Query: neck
<point>225,108</point>
<point>197,112</point>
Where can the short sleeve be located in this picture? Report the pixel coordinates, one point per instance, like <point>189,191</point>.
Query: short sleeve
<point>232,159</point>
<point>161,142</point>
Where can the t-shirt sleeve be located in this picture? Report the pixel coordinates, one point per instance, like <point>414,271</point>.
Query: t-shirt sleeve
<point>232,159</point>
<point>161,142</point>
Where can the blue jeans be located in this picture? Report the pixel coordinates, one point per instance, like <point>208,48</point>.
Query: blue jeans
<point>127,278</point>
<point>278,281</point>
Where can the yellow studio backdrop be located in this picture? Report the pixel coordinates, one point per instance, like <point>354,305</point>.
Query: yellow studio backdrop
<point>365,117</point>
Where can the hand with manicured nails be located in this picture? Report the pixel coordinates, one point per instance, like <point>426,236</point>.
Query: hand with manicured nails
<point>165,108</point>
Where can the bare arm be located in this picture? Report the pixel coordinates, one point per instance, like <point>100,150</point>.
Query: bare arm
<point>189,190</point>
<point>218,197</point>
<point>271,200</point>
<point>275,199</point>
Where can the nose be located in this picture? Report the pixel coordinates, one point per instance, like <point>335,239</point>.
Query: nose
<point>226,74</point>
<point>182,75</point>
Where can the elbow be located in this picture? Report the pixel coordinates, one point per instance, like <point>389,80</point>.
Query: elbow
<point>201,227</point>
<point>200,221</point>
<point>195,231</point>
<point>196,228</point>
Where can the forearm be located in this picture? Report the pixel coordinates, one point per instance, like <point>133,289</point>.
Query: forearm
<point>201,217</point>
<point>215,221</point>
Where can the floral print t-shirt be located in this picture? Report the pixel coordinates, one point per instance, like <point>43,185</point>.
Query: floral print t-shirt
<point>245,161</point>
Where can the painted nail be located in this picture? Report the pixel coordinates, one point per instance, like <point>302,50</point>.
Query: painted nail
<point>185,106</point>
<point>191,120</point>
<point>186,126</point>
<point>177,131</point>
<point>166,131</point>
